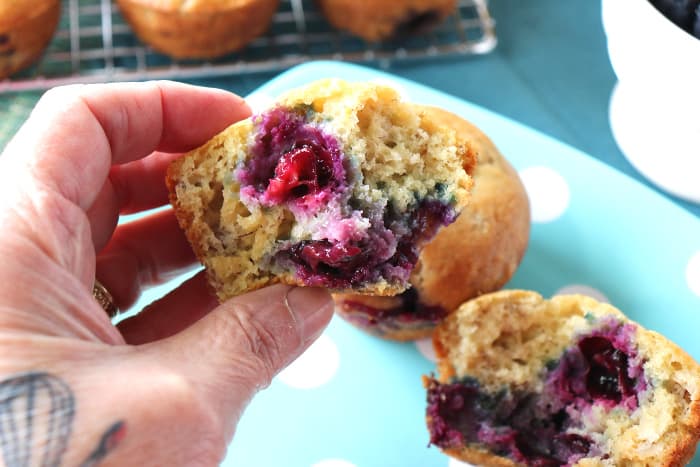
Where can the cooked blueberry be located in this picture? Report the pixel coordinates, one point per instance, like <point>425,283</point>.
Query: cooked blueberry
<point>299,172</point>
<point>291,158</point>
<point>409,310</point>
<point>424,222</point>
<point>342,265</point>
<point>292,161</point>
<point>535,428</point>
<point>568,445</point>
<point>511,424</point>
<point>323,253</point>
<point>608,369</point>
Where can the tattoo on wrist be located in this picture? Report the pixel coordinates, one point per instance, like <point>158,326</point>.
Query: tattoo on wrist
<point>37,411</point>
<point>109,440</point>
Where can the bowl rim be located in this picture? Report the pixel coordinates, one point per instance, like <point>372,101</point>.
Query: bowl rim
<point>613,10</point>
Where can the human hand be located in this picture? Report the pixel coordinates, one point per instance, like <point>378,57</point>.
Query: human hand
<point>167,386</point>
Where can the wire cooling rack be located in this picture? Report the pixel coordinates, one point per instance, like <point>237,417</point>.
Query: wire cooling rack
<point>94,44</point>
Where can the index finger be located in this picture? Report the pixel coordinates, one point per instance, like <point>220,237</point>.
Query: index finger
<point>76,133</point>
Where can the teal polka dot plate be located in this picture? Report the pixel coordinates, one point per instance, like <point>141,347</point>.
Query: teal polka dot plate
<point>357,401</point>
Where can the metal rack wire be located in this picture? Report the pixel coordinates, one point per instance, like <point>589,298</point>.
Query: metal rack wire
<point>94,44</point>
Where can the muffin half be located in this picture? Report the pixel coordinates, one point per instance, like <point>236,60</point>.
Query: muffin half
<point>566,381</point>
<point>476,254</point>
<point>337,185</point>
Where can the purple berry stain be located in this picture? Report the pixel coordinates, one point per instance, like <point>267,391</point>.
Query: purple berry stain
<point>533,428</point>
<point>410,310</point>
<point>297,164</point>
<point>292,161</point>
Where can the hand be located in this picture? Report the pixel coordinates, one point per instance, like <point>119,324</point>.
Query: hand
<point>167,386</point>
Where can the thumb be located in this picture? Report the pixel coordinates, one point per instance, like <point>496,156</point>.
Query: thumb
<point>238,348</point>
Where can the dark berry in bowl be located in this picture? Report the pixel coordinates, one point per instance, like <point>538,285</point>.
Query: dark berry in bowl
<point>680,12</point>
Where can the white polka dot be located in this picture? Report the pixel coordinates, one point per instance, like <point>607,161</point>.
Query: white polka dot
<point>583,290</point>
<point>259,102</point>
<point>548,193</point>
<point>333,463</point>
<point>315,367</point>
<point>425,347</point>
<point>456,463</point>
<point>692,273</point>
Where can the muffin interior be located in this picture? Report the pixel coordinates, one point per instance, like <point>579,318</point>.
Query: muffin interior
<point>556,421</point>
<point>340,190</point>
<point>566,381</point>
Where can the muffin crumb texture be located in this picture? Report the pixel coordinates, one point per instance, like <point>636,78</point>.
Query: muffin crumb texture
<point>477,254</point>
<point>337,185</point>
<point>567,381</point>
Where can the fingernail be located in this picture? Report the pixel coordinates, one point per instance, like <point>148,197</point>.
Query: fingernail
<point>312,308</point>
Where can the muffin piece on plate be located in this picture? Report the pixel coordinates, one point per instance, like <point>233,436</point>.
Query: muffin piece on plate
<point>26,28</point>
<point>375,21</point>
<point>337,185</point>
<point>198,28</point>
<point>477,254</point>
<point>566,381</point>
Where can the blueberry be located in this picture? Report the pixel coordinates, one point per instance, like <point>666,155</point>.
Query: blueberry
<point>304,170</point>
<point>681,12</point>
<point>607,376</point>
<point>696,23</point>
<point>410,309</point>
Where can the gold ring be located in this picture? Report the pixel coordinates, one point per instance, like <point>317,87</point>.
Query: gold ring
<point>105,299</point>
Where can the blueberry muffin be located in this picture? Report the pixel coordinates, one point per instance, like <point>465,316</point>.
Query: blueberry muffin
<point>337,185</point>
<point>375,21</point>
<point>476,254</point>
<point>198,28</point>
<point>26,28</point>
<point>566,381</point>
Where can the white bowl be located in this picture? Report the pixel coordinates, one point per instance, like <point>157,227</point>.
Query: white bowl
<point>655,106</point>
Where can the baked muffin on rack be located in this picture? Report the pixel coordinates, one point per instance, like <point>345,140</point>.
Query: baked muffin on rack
<point>378,20</point>
<point>198,28</point>
<point>477,254</point>
<point>26,28</point>
<point>567,381</point>
<point>337,185</point>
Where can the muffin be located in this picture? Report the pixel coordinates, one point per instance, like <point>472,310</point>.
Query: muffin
<point>566,381</point>
<point>477,254</point>
<point>26,28</point>
<point>337,185</point>
<point>376,21</point>
<point>198,28</point>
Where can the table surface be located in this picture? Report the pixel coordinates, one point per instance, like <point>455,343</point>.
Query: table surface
<point>549,71</point>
